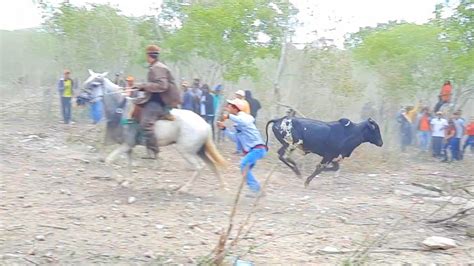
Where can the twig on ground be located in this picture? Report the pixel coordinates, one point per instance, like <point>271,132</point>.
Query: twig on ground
<point>220,249</point>
<point>254,209</point>
<point>53,226</point>
<point>459,215</point>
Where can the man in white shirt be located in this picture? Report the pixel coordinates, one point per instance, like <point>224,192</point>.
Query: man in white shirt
<point>460,128</point>
<point>438,132</point>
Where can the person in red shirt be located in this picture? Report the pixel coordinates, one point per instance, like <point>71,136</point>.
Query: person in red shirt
<point>470,136</point>
<point>424,129</point>
<point>444,95</point>
<point>448,140</point>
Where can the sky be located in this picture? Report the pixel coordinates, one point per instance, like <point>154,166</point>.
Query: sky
<point>319,18</point>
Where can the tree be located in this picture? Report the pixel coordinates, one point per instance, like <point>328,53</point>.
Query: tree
<point>409,57</point>
<point>232,34</point>
<point>93,36</point>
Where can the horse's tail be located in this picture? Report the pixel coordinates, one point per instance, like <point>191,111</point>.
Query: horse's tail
<point>213,154</point>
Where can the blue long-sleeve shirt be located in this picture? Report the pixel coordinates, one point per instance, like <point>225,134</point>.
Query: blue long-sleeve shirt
<point>245,131</point>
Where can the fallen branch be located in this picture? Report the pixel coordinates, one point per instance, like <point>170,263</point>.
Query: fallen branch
<point>427,187</point>
<point>53,226</point>
<point>459,215</point>
<point>220,249</point>
<point>254,209</point>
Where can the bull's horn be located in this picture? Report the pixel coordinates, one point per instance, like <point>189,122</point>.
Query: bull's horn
<point>348,123</point>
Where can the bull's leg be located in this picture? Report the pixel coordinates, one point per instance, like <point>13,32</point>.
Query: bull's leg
<point>319,168</point>
<point>283,155</point>
<point>335,166</point>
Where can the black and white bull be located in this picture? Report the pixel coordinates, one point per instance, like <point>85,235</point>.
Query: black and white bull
<point>331,140</point>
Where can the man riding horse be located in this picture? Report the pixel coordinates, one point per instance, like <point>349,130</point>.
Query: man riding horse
<point>160,95</point>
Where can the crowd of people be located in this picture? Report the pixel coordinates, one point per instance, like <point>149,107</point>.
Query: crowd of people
<point>448,135</point>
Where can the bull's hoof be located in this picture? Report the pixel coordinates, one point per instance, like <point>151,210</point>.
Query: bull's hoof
<point>306,184</point>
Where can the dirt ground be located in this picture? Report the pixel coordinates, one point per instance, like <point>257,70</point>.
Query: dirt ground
<point>60,204</point>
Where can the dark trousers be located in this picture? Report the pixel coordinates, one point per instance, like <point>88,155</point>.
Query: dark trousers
<point>210,120</point>
<point>66,109</point>
<point>437,146</point>
<point>151,112</point>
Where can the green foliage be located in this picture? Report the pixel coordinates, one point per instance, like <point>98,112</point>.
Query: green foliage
<point>96,36</point>
<point>231,33</point>
<point>410,57</point>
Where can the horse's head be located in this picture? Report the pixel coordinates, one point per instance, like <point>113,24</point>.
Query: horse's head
<point>94,79</point>
<point>94,88</point>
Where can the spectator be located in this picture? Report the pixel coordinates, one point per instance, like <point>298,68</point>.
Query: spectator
<point>438,133</point>
<point>188,101</point>
<point>66,88</point>
<point>218,101</point>
<point>135,110</point>
<point>196,95</point>
<point>118,80</point>
<point>253,103</point>
<point>444,95</point>
<point>423,128</point>
<point>456,141</point>
<point>240,94</point>
<point>405,129</point>
<point>470,136</point>
<point>448,140</point>
<point>207,107</point>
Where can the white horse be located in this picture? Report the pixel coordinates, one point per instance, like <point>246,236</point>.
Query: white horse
<point>191,134</point>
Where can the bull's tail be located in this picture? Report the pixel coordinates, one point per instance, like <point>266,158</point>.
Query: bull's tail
<point>266,130</point>
<point>213,154</point>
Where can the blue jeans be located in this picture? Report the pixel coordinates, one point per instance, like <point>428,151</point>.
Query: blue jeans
<point>250,160</point>
<point>96,112</point>
<point>469,142</point>
<point>424,140</point>
<point>455,146</point>
<point>66,109</point>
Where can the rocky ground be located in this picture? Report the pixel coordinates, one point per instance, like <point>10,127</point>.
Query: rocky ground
<point>60,204</point>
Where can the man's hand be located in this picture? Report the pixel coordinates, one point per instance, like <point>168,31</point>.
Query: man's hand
<point>220,125</point>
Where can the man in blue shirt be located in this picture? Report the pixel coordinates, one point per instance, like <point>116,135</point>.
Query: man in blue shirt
<point>248,135</point>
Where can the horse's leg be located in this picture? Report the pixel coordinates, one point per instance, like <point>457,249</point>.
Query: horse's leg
<point>210,164</point>
<point>193,159</point>
<point>130,162</point>
<point>118,151</point>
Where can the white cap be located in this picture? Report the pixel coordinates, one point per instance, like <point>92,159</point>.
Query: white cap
<point>240,92</point>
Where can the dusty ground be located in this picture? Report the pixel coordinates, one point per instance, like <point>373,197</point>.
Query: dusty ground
<point>60,204</point>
